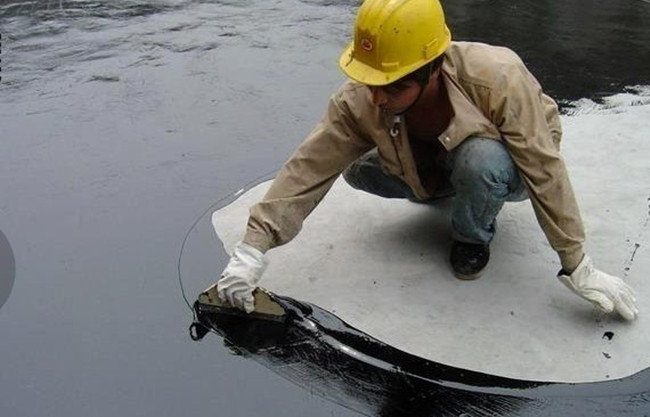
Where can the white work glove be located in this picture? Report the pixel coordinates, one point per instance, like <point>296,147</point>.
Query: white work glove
<point>238,280</point>
<point>606,292</point>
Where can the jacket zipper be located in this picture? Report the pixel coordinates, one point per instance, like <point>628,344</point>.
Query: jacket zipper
<point>396,136</point>
<point>396,130</point>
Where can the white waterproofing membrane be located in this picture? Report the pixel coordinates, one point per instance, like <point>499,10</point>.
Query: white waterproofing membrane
<point>382,265</point>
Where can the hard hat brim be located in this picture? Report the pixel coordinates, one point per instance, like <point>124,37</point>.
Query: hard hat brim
<point>365,74</point>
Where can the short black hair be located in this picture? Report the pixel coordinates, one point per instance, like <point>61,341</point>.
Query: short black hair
<point>422,74</point>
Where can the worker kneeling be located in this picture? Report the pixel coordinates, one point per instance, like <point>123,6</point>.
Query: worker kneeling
<point>423,118</point>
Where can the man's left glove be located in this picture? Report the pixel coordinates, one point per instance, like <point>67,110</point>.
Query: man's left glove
<point>608,293</point>
<point>238,280</point>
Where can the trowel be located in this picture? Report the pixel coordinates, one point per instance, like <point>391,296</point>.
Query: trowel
<point>266,308</point>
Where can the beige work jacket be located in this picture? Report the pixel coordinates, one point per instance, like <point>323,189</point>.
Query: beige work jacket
<point>492,95</point>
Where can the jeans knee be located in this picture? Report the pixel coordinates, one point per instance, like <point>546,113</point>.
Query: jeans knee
<point>350,175</point>
<point>483,161</point>
<point>366,174</point>
<point>362,171</point>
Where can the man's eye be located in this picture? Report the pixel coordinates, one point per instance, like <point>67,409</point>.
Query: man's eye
<point>393,89</point>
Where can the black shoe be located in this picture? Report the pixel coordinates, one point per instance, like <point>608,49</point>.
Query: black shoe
<point>468,260</point>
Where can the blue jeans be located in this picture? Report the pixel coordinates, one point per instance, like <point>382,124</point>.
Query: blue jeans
<point>480,175</point>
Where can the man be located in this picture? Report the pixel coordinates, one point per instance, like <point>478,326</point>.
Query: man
<point>426,118</point>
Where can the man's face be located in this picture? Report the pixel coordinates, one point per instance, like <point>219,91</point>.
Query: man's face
<point>397,97</point>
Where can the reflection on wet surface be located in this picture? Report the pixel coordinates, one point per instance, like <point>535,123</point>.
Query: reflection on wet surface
<point>576,48</point>
<point>317,350</point>
<point>122,120</point>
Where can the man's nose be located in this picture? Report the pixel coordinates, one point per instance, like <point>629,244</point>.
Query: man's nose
<point>379,97</point>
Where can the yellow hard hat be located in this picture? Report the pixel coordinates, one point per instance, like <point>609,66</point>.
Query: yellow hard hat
<point>393,38</point>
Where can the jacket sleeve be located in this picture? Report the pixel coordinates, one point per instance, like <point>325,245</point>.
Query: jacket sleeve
<point>518,110</point>
<point>307,176</point>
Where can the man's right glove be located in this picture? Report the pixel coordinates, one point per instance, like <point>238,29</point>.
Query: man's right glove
<point>238,280</point>
<point>606,292</point>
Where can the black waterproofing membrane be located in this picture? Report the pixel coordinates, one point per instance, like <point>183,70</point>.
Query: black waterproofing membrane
<point>320,352</point>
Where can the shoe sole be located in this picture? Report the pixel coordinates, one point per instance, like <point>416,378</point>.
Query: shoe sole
<point>469,277</point>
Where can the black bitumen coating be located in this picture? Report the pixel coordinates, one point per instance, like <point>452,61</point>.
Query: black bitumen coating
<point>320,352</point>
